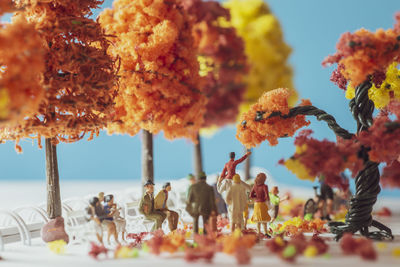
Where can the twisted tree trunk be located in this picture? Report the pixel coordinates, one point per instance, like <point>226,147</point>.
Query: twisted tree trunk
<point>53,181</point>
<point>147,157</point>
<point>197,158</point>
<point>359,217</point>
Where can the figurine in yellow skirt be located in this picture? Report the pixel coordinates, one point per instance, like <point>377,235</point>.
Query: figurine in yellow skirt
<point>260,195</point>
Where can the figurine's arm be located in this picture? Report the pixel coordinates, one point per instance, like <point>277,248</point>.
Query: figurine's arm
<point>253,193</point>
<point>246,185</point>
<point>213,203</point>
<point>242,158</point>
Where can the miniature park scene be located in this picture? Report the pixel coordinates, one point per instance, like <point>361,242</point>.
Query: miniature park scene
<point>77,69</point>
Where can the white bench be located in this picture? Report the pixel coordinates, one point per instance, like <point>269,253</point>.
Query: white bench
<point>136,222</point>
<point>13,233</point>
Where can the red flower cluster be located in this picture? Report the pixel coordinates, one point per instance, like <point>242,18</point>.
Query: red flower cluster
<point>361,246</point>
<point>137,239</point>
<point>96,250</point>
<point>391,175</point>
<point>364,53</point>
<point>328,159</point>
<point>383,137</point>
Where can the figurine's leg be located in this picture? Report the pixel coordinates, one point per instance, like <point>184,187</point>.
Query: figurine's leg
<point>173,220</point>
<point>265,228</point>
<point>205,222</point>
<point>196,224</point>
<point>259,228</point>
<point>99,237</point>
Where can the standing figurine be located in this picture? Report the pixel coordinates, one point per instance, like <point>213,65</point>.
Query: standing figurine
<point>111,209</point>
<point>201,202</point>
<point>237,202</point>
<point>146,207</point>
<point>275,201</point>
<point>99,219</point>
<point>160,204</point>
<point>261,198</point>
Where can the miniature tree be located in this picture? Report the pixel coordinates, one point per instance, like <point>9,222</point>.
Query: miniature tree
<point>222,65</point>
<point>266,51</point>
<point>160,86</point>
<point>367,67</point>
<point>21,64</point>
<point>79,78</point>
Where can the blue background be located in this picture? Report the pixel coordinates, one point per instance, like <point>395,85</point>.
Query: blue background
<point>311,27</point>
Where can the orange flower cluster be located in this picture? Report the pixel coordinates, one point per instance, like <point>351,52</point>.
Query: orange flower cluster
<point>79,76</point>
<point>256,127</point>
<point>166,243</point>
<point>22,65</point>
<point>230,243</point>
<point>364,53</point>
<point>222,61</point>
<point>298,225</point>
<point>160,87</point>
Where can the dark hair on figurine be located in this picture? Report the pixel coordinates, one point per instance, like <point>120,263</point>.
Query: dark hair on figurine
<point>166,185</point>
<point>202,176</point>
<point>108,198</point>
<point>93,201</point>
<point>232,155</point>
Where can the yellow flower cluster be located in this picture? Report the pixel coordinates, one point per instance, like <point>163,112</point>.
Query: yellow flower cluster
<point>265,49</point>
<point>390,86</point>
<point>57,247</point>
<point>295,166</point>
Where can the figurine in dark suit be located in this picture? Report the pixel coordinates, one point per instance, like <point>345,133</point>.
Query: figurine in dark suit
<point>201,202</point>
<point>146,207</point>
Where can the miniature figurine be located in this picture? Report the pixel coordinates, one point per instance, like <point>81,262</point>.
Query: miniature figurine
<point>111,209</point>
<point>101,197</point>
<point>146,207</point>
<point>160,204</point>
<point>275,201</point>
<point>201,202</point>
<point>99,219</point>
<point>261,198</point>
<point>237,202</point>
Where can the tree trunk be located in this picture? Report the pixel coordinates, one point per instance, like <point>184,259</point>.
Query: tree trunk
<point>247,165</point>
<point>53,181</point>
<point>197,158</point>
<point>147,157</point>
<point>359,217</point>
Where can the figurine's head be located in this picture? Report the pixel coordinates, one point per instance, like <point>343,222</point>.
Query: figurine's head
<point>101,196</point>
<point>94,201</point>
<point>149,186</point>
<point>260,178</point>
<point>202,176</point>
<point>236,179</point>
<point>191,178</point>
<point>167,186</point>
<point>109,199</point>
<point>275,190</point>
<point>232,155</point>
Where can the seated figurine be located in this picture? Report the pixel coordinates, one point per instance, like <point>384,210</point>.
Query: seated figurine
<point>98,219</point>
<point>111,209</point>
<point>146,207</point>
<point>160,204</point>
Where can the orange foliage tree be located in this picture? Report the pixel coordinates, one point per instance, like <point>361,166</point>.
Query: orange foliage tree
<point>160,87</point>
<point>220,52</point>
<point>21,66</point>
<point>79,81</point>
